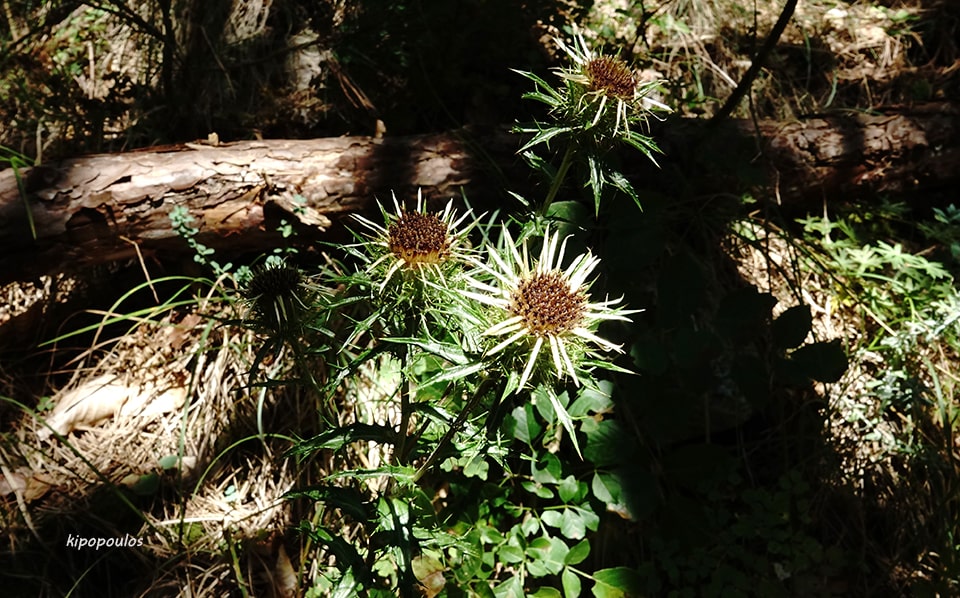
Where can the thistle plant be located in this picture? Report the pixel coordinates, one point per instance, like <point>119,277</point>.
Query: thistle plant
<point>600,103</point>
<point>462,336</point>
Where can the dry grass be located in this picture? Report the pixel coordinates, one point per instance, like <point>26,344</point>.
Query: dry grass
<point>173,388</point>
<point>833,55</point>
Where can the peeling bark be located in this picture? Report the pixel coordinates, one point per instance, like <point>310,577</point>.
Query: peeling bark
<point>96,209</point>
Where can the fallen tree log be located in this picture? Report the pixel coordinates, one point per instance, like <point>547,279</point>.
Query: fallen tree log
<point>101,208</point>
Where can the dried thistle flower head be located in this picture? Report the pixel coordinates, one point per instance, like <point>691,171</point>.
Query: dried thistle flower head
<point>541,303</point>
<point>416,244</point>
<point>276,293</point>
<point>611,76</point>
<point>417,238</point>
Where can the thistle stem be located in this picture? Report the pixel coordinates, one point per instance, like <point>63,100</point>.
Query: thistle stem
<point>454,427</point>
<point>410,327</point>
<point>558,179</point>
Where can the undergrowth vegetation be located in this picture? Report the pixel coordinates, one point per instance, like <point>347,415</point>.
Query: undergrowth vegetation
<point>603,390</point>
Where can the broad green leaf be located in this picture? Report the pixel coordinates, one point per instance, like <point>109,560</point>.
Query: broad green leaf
<point>552,518</point>
<point>525,427</point>
<point>477,467</point>
<point>618,582</point>
<point>572,525</point>
<point>607,443</point>
<point>537,488</point>
<point>550,553</point>
<point>509,554</point>
<point>347,586</point>
<point>344,552</point>
<point>547,592</point>
<point>511,588</point>
<point>429,572</point>
<point>590,519</point>
<point>606,487</point>
<point>571,490</point>
<point>169,462</point>
<point>578,553</point>
<point>571,584</point>
<point>592,399</point>
<point>548,470</point>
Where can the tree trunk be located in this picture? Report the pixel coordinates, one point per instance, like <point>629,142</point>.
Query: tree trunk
<point>101,208</point>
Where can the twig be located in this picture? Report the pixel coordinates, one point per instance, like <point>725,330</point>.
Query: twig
<point>758,61</point>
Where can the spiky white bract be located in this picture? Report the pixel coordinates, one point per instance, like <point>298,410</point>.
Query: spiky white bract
<point>540,305</point>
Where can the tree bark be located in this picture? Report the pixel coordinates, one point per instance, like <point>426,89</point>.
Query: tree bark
<point>101,208</point>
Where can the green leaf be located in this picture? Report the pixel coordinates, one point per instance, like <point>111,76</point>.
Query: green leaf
<point>824,361</point>
<point>169,462</point>
<point>538,489</point>
<point>607,443</point>
<point>595,181</point>
<point>146,485</point>
<point>344,552</point>
<point>397,472</point>
<point>524,424</point>
<point>578,553</point>
<point>618,582</point>
<point>792,327</point>
<point>606,487</point>
<point>348,500</point>
<point>572,525</point>
<point>552,518</point>
<point>550,471</point>
<point>347,586</point>
<point>571,490</point>
<point>592,399</point>
<point>510,554</point>
<point>338,438</point>
<point>571,584</point>
<point>568,217</point>
<point>547,592</point>
<point>544,136</point>
<point>590,519</point>
<point>550,553</point>
<point>512,588</point>
<point>477,468</point>
<point>456,373</point>
<point>450,352</point>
